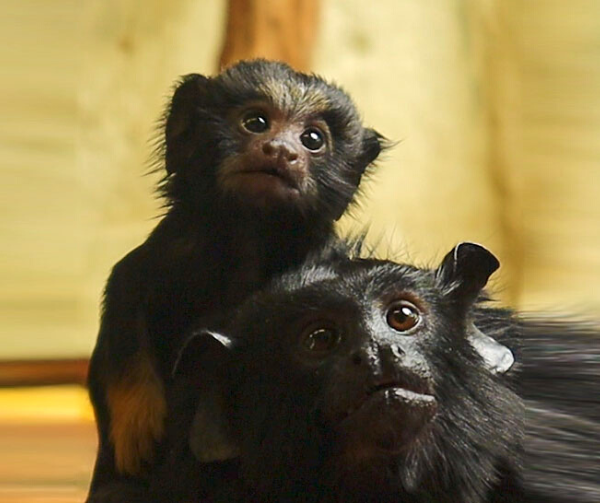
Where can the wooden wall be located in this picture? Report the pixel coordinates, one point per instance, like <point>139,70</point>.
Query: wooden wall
<point>496,108</point>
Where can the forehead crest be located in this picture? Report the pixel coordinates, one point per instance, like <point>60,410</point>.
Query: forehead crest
<point>293,93</point>
<point>295,97</point>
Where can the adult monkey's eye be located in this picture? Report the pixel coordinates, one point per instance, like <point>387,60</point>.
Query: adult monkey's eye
<point>321,340</point>
<point>403,316</point>
<point>313,138</point>
<point>255,121</point>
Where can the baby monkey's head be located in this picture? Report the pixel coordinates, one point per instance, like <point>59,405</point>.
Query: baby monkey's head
<point>263,136</point>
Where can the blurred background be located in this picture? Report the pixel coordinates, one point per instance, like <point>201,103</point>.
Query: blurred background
<point>495,105</point>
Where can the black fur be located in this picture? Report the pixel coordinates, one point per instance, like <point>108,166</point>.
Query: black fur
<point>561,364</point>
<point>558,375</point>
<point>560,379</point>
<point>281,416</point>
<point>215,246</point>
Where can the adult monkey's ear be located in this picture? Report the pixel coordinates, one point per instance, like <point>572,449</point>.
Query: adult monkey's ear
<point>199,360</point>
<point>202,348</point>
<point>464,272</point>
<point>181,119</point>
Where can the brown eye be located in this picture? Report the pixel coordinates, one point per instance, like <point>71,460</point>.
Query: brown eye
<point>321,340</point>
<point>403,316</point>
<point>255,122</point>
<point>313,138</point>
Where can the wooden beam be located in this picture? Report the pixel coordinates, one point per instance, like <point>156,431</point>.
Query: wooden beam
<point>283,30</point>
<point>43,372</point>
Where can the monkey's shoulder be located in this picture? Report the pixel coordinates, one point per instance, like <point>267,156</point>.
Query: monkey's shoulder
<point>167,247</point>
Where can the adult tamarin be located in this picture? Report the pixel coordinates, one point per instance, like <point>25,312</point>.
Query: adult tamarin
<point>422,417</point>
<point>349,381</point>
<point>260,161</point>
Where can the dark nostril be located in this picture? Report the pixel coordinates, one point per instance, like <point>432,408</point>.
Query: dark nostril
<point>356,359</point>
<point>291,155</point>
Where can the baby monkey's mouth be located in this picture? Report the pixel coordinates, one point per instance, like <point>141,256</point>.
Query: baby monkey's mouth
<point>272,170</point>
<point>264,184</point>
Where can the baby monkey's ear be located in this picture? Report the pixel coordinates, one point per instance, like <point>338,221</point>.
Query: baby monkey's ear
<point>373,143</point>
<point>181,118</point>
<point>200,359</point>
<point>465,271</point>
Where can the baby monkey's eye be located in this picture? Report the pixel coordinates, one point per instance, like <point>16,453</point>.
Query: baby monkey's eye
<point>403,316</point>
<point>313,138</point>
<point>255,121</point>
<point>321,340</point>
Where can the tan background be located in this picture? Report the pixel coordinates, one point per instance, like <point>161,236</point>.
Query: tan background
<point>495,103</point>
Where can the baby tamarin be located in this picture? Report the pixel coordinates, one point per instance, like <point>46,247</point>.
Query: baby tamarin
<point>349,381</point>
<point>260,162</point>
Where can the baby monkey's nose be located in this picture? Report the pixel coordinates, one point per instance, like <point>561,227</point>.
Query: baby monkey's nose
<point>280,148</point>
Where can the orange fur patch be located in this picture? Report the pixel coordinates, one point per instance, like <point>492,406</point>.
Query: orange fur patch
<point>137,410</point>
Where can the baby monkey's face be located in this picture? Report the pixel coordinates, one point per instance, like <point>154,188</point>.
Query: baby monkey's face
<point>263,136</point>
<point>277,154</point>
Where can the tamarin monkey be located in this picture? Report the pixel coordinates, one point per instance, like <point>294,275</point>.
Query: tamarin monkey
<point>260,161</point>
<point>349,381</point>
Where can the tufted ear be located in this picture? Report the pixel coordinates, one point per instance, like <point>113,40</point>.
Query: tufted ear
<point>180,121</point>
<point>373,143</point>
<point>201,357</point>
<point>465,271</point>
